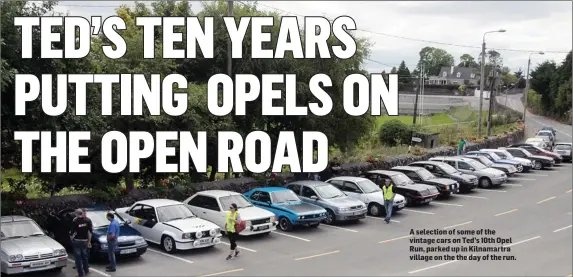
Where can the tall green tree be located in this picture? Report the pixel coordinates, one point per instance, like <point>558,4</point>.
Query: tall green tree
<point>404,74</point>
<point>434,59</point>
<point>467,60</point>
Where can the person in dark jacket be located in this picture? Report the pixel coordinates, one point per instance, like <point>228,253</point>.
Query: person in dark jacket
<point>81,235</point>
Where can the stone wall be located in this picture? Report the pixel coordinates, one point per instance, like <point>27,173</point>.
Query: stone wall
<point>39,209</point>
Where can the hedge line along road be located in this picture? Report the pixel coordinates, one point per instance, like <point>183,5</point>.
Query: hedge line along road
<point>533,210</point>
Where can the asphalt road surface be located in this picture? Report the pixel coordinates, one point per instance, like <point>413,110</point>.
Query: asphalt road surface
<point>532,214</point>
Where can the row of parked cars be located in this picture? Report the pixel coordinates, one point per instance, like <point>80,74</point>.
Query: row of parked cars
<point>199,221</point>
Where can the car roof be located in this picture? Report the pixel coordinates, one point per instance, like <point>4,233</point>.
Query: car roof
<point>564,143</point>
<point>349,178</point>
<point>310,183</point>
<point>14,218</point>
<point>385,172</point>
<point>217,193</point>
<point>270,189</point>
<point>159,202</point>
<point>407,168</point>
<point>534,139</point>
<point>545,131</point>
<point>436,163</point>
<point>457,158</point>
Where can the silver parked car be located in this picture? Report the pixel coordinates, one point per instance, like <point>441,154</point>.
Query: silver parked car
<point>27,248</point>
<point>506,168</point>
<point>339,206</point>
<point>367,192</point>
<point>486,176</point>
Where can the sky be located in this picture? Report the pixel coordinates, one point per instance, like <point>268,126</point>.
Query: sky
<point>536,26</point>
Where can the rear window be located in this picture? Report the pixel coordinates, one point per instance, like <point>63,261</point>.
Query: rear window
<point>562,147</point>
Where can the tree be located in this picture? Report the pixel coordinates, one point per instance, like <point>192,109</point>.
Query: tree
<point>394,70</point>
<point>404,74</point>
<point>467,60</point>
<point>434,59</point>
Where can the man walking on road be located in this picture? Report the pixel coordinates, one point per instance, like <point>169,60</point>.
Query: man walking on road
<point>388,190</point>
<point>112,235</point>
<point>81,234</point>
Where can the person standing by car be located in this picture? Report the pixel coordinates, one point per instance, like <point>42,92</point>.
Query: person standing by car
<point>112,235</point>
<point>233,218</point>
<point>90,221</point>
<point>81,235</point>
<point>461,146</point>
<point>388,190</point>
<point>334,167</point>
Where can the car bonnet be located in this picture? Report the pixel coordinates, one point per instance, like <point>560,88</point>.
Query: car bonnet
<point>191,224</point>
<point>29,245</point>
<point>302,208</point>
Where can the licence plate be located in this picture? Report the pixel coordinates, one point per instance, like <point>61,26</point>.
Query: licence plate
<point>426,200</point>
<point>127,251</point>
<point>204,241</point>
<point>266,227</point>
<point>401,205</point>
<point>40,264</point>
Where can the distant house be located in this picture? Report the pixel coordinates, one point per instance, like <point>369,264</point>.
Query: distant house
<point>454,75</point>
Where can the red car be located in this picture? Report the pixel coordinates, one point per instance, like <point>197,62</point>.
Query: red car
<point>539,151</point>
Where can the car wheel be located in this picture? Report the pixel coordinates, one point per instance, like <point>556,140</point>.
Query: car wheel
<point>484,182</point>
<point>519,168</point>
<point>409,201</point>
<point>285,225</point>
<point>537,165</point>
<point>329,217</point>
<point>168,244</point>
<point>375,209</point>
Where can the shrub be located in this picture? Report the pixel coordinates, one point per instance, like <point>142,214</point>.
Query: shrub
<point>394,132</point>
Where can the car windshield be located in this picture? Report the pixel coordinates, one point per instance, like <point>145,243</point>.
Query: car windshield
<point>448,169</point>
<point>534,140</point>
<point>562,147</point>
<point>493,156</point>
<point>524,151</point>
<point>99,218</point>
<point>368,186</point>
<point>485,161</point>
<point>284,196</point>
<point>329,191</point>
<point>477,165</point>
<point>20,229</point>
<point>425,174</point>
<point>173,212</point>
<point>238,199</point>
<point>401,179</point>
<point>545,133</point>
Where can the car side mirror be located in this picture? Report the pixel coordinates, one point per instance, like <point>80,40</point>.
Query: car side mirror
<point>472,169</point>
<point>128,222</point>
<point>314,197</point>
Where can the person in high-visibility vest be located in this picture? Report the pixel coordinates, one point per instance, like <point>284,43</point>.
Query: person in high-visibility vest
<point>388,190</point>
<point>232,219</point>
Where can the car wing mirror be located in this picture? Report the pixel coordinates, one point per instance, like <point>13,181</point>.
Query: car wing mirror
<point>128,222</point>
<point>314,197</point>
<point>472,169</point>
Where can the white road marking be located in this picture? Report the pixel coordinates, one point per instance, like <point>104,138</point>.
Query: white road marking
<point>430,267</point>
<point>543,124</point>
<point>446,204</point>
<point>414,211</point>
<point>317,255</point>
<point>223,272</point>
<point>471,196</point>
<point>564,228</point>
<point>513,185</point>
<point>241,247</point>
<point>93,269</point>
<point>522,179</point>
<point>536,175</point>
<point>389,240</point>
<point>545,200</point>
<point>514,210</point>
<point>520,242</point>
<point>493,190</point>
<point>340,228</point>
<point>569,191</point>
<point>457,225</point>
<point>290,236</point>
<point>381,218</point>
<point>169,255</point>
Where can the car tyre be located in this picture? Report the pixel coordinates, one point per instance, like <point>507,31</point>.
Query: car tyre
<point>375,209</point>
<point>168,244</point>
<point>409,201</point>
<point>537,165</point>
<point>285,224</point>
<point>329,217</point>
<point>484,183</point>
<point>519,168</point>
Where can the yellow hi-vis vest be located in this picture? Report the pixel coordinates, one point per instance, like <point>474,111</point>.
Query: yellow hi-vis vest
<point>388,194</point>
<point>231,222</point>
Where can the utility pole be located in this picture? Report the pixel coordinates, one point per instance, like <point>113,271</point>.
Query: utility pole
<point>481,86</point>
<point>417,90</point>
<point>491,98</point>
<point>526,92</point>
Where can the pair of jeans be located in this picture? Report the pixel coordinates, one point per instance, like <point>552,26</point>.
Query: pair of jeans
<point>233,239</point>
<point>111,247</point>
<point>388,204</point>
<point>81,256</point>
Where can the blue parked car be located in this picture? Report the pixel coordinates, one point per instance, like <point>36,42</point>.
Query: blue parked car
<point>130,241</point>
<point>288,208</point>
<point>496,159</point>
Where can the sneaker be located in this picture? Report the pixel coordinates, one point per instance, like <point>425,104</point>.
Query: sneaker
<point>87,273</point>
<point>229,257</point>
<point>237,253</point>
<point>110,269</point>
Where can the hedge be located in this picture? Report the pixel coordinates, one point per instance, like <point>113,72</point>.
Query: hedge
<point>39,209</point>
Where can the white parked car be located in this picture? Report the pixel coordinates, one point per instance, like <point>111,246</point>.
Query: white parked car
<point>26,247</point>
<point>213,205</point>
<point>504,154</point>
<point>368,192</point>
<point>539,142</point>
<point>170,224</point>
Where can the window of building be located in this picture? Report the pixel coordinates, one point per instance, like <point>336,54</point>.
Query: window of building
<point>459,75</point>
<point>445,74</point>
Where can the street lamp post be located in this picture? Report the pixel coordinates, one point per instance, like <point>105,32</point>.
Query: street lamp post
<point>527,84</point>
<point>482,78</point>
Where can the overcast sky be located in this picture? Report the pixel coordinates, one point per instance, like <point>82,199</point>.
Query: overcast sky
<point>537,26</point>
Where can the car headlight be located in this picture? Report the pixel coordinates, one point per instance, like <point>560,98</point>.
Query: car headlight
<point>103,246</point>
<point>300,217</point>
<point>60,252</point>
<point>15,258</point>
<point>140,241</point>
<point>249,223</point>
<point>102,239</point>
<point>199,234</point>
<point>186,236</point>
<point>213,232</point>
<point>343,209</point>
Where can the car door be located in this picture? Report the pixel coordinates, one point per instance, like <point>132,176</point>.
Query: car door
<point>465,167</point>
<point>414,176</point>
<point>306,195</point>
<point>295,188</point>
<point>199,205</point>
<point>145,219</point>
<point>352,190</point>
<point>532,150</point>
<point>213,211</point>
<point>374,178</point>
